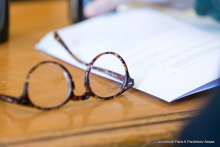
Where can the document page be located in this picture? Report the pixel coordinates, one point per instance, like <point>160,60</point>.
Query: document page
<point>166,57</point>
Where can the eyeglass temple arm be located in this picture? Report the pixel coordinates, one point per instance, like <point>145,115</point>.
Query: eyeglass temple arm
<point>107,72</point>
<point>9,99</point>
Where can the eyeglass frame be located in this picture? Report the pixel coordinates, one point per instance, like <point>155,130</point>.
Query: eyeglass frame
<point>24,99</point>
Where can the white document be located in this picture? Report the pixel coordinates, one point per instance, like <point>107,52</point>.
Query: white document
<point>166,58</point>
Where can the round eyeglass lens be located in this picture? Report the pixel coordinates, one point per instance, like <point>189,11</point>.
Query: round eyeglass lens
<point>107,87</point>
<point>48,86</point>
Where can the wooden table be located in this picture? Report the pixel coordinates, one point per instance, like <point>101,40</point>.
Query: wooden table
<point>133,119</point>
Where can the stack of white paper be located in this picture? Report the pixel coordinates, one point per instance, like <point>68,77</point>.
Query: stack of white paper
<point>165,57</point>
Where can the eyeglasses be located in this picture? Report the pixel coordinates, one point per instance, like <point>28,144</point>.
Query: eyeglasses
<point>48,74</point>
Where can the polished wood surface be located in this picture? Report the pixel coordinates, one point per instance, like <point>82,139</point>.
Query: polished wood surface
<point>133,119</point>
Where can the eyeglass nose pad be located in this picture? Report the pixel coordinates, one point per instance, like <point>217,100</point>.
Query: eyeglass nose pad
<point>68,79</point>
<point>73,85</point>
<point>66,76</point>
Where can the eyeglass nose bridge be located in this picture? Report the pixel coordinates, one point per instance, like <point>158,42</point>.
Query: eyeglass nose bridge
<point>83,97</point>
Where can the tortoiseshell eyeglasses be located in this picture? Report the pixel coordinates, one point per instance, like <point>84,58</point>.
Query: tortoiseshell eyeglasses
<point>48,74</point>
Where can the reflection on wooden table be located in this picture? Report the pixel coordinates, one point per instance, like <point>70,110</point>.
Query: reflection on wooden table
<point>133,119</point>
